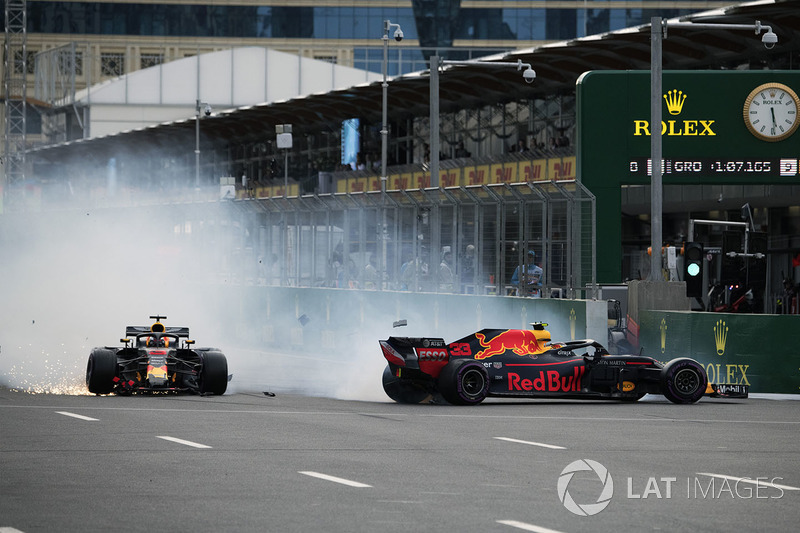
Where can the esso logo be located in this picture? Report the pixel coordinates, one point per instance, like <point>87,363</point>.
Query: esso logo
<point>432,354</point>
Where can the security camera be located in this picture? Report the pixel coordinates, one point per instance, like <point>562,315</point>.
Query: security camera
<point>529,75</point>
<point>207,110</point>
<point>769,39</point>
<point>398,35</point>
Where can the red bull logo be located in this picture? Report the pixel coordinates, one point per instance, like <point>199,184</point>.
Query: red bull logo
<point>157,372</point>
<point>519,341</point>
<point>548,381</point>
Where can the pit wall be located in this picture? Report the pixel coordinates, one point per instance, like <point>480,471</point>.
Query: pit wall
<point>308,320</point>
<point>762,351</point>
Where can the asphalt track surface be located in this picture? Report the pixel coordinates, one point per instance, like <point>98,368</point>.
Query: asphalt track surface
<point>250,462</point>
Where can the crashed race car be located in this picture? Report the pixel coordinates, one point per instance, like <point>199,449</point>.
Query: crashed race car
<point>524,363</point>
<point>156,359</point>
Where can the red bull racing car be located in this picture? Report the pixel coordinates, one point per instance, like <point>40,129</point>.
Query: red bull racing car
<point>524,363</point>
<point>156,359</point>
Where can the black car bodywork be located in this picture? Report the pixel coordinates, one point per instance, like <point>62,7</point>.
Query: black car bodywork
<point>524,363</point>
<point>156,359</point>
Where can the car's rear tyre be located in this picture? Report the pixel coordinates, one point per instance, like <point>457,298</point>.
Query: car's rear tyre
<point>214,375</point>
<point>683,380</point>
<point>402,390</point>
<point>101,370</point>
<point>464,382</point>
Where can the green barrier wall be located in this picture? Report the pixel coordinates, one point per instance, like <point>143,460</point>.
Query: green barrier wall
<point>762,351</point>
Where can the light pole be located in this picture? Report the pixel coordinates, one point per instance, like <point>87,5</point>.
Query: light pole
<point>284,142</point>
<point>398,36</point>
<point>528,75</point>
<point>207,112</point>
<point>658,32</point>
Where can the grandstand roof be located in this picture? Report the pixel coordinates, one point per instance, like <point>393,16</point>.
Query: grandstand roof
<point>558,66</point>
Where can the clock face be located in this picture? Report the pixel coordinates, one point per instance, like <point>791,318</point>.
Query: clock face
<point>770,112</point>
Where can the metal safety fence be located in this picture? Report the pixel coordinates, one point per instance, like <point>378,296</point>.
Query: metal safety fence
<point>465,239</point>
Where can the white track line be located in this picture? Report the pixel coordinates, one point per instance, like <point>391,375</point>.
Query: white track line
<point>73,415</point>
<point>181,441</point>
<point>9,530</point>
<point>541,444</point>
<point>750,480</point>
<point>527,527</point>
<point>343,481</point>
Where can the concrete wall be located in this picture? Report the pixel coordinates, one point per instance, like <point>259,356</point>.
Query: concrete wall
<point>306,320</point>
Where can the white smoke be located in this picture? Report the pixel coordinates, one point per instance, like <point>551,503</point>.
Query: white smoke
<point>71,280</point>
<point>74,279</point>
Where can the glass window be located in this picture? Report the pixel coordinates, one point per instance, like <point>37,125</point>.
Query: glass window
<point>338,22</point>
<point>526,24</point>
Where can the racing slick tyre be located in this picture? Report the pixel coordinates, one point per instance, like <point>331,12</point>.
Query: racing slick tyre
<point>402,390</point>
<point>214,375</point>
<point>101,370</point>
<point>464,382</point>
<point>683,380</point>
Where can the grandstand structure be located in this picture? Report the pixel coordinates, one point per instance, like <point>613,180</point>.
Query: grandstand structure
<point>495,129</point>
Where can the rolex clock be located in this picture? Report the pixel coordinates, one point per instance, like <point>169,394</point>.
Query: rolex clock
<point>770,112</point>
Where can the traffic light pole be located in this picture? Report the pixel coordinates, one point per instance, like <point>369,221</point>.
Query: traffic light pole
<point>693,221</point>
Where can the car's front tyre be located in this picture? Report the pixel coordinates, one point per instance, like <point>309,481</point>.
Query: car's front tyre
<point>101,370</point>
<point>214,374</point>
<point>683,380</point>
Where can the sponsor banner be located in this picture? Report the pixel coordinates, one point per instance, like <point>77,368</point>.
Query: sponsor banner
<point>535,170</point>
<point>504,172</point>
<point>420,180</point>
<point>477,175</point>
<point>759,351</point>
<point>269,192</point>
<point>374,183</point>
<point>357,185</point>
<point>557,168</point>
<point>561,168</point>
<point>400,182</point>
<point>450,177</point>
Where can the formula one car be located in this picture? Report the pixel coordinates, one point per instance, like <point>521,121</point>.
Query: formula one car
<point>524,363</point>
<point>156,359</point>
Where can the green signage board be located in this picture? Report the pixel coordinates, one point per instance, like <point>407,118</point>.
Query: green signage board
<point>718,127</point>
<point>755,350</point>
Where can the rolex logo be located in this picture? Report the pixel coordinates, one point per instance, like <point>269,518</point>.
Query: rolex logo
<point>675,100</point>
<point>720,336</point>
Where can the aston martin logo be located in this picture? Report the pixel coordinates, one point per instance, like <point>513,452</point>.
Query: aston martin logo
<point>720,336</point>
<point>663,329</point>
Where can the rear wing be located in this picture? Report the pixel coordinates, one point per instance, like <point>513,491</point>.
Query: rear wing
<point>132,331</point>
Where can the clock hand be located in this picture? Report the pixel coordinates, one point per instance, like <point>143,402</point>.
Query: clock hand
<point>772,110</point>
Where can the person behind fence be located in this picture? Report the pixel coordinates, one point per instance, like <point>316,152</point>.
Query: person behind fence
<point>532,277</point>
<point>371,274</point>
<point>446,270</point>
<point>468,270</point>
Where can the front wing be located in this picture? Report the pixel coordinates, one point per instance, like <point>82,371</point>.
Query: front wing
<point>727,390</point>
